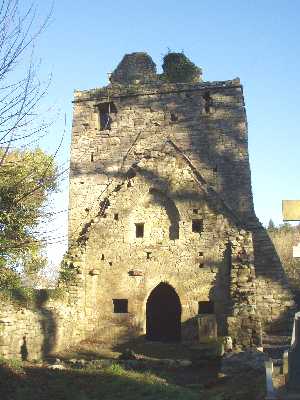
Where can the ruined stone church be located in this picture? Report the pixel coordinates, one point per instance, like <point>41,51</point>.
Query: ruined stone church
<point>162,226</point>
<point>161,207</point>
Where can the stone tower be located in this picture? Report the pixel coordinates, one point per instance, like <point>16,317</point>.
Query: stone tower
<point>162,229</point>
<point>161,223</point>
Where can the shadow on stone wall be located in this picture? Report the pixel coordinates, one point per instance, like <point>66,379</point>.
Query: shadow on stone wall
<point>48,323</point>
<point>199,151</point>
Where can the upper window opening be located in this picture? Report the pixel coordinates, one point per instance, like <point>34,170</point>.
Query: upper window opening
<point>120,305</point>
<point>197,225</point>
<point>173,117</point>
<point>205,307</point>
<point>139,230</point>
<point>208,102</point>
<point>195,211</point>
<point>105,111</point>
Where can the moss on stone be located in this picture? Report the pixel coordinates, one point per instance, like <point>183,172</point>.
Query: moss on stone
<point>178,68</point>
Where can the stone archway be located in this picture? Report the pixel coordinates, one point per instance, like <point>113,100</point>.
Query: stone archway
<point>163,314</point>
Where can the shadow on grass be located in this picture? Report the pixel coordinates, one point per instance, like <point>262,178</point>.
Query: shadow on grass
<point>114,383</point>
<point>159,350</point>
<point>109,384</point>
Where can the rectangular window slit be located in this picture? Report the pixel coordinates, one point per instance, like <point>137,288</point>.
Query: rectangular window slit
<point>197,225</point>
<point>139,230</point>
<point>116,217</point>
<point>110,263</point>
<point>92,157</point>
<point>205,307</point>
<point>148,255</point>
<point>102,257</point>
<point>120,306</point>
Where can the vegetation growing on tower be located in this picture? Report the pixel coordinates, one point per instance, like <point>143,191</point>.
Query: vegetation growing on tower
<point>178,68</point>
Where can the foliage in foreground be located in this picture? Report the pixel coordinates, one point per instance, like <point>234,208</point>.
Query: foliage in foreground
<point>32,382</point>
<point>26,180</point>
<point>108,384</point>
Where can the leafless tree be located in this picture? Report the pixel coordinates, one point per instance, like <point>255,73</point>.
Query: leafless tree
<point>20,87</point>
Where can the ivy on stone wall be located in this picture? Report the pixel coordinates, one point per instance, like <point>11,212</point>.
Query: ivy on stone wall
<point>178,68</point>
<point>68,272</point>
<point>29,297</point>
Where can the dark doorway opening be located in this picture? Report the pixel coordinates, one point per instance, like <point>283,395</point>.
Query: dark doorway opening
<point>163,314</point>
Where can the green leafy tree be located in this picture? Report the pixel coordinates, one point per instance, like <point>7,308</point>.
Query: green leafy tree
<point>27,178</point>
<point>27,174</point>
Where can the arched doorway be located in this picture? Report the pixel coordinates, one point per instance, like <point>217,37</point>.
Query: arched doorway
<point>163,314</point>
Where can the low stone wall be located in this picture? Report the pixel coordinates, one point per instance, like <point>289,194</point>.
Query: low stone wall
<point>35,330</point>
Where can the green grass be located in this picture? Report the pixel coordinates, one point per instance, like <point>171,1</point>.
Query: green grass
<point>109,384</point>
<point>24,381</point>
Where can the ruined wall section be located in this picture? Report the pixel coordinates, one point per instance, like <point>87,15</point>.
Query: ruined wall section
<point>121,266</point>
<point>34,330</point>
<point>214,139</point>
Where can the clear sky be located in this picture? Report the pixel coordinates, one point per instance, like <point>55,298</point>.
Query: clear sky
<point>258,41</point>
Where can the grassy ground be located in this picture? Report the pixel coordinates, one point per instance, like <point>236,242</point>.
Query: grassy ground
<point>157,381</point>
<point>25,381</point>
<point>38,383</point>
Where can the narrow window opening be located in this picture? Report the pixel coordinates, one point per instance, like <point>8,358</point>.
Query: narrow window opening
<point>148,255</point>
<point>105,120</point>
<point>102,257</point>
<point>197,225</point>
<point>110,263</point>
<point>174,117</point>
<point>201,265</point>
<point>105,110</point>
<point>195,211</point>
<point>205,307</point>
<point>201,254</point>
<point>92,157</point>
<point>129,184</point>
<point>208,103</point>
<point>139,230</point>
<point>120,306</point>
<point>116,217</point>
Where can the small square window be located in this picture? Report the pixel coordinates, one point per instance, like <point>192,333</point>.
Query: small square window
<point>120,306</point>
<point>197,225</point>
<point>139,230</point>
<point>205,307</point>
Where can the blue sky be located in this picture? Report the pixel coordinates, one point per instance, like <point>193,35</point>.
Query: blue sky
<point>258,41</point>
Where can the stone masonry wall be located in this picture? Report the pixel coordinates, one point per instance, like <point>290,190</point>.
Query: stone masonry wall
<point>174,158</point>
<point>38,329</point>
<point>207,123</point>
